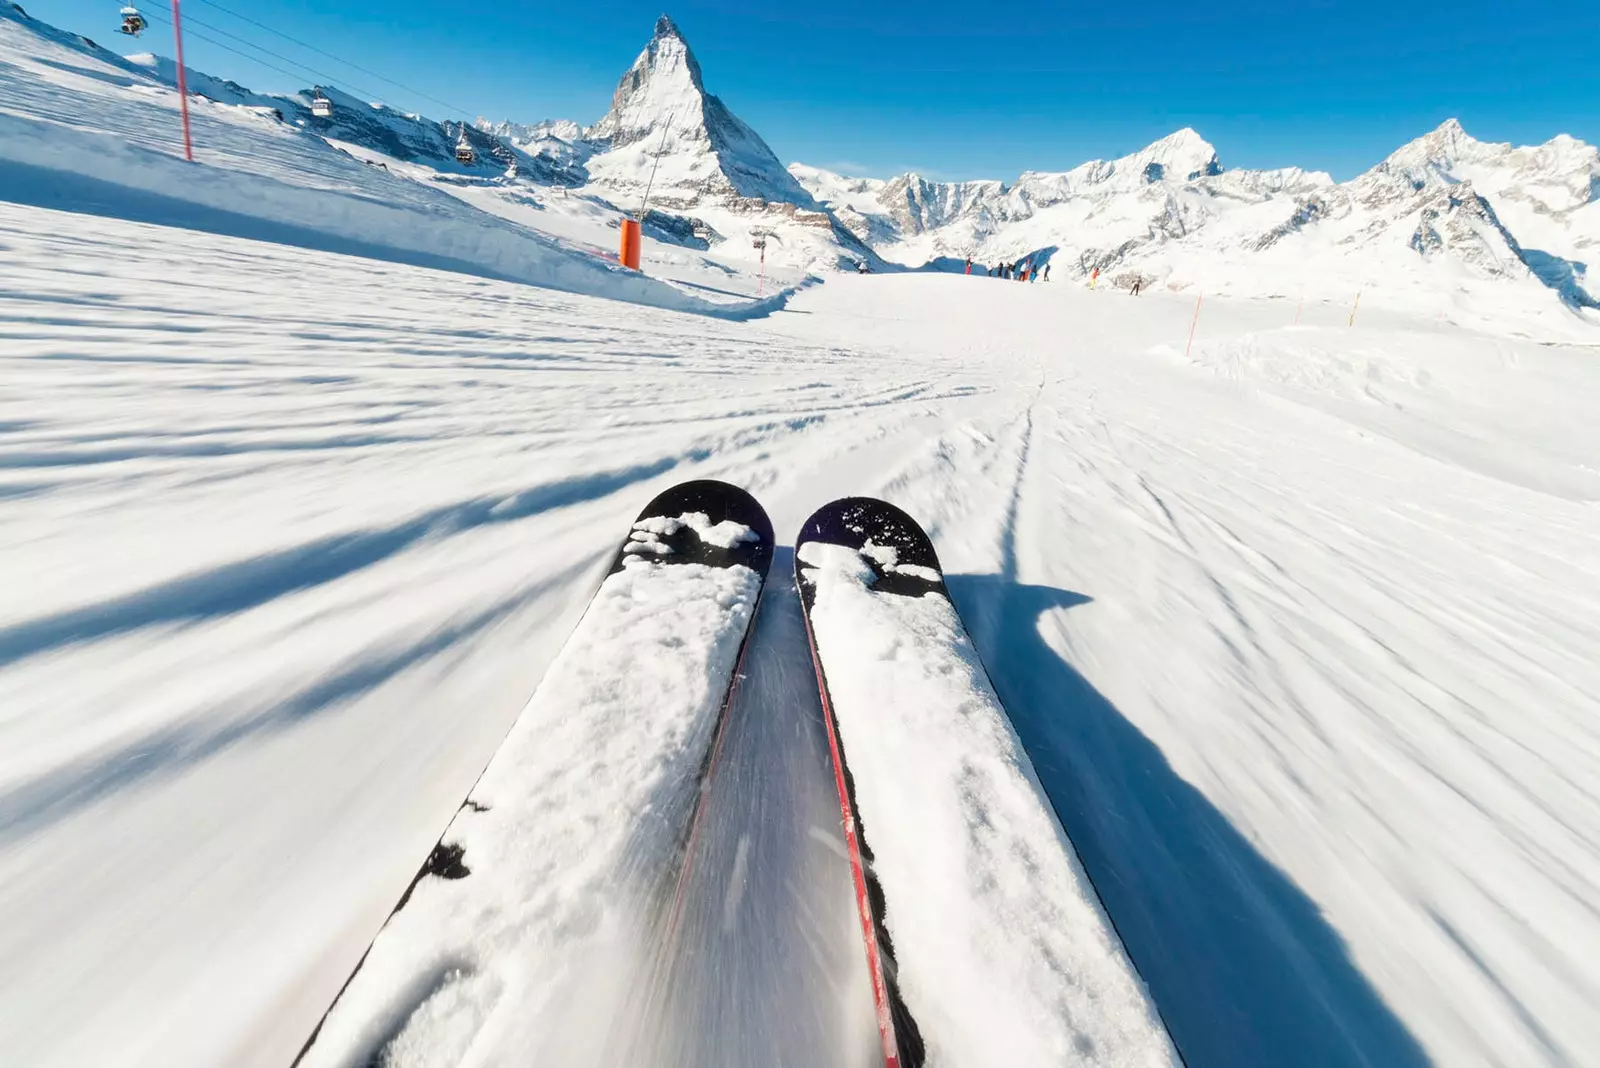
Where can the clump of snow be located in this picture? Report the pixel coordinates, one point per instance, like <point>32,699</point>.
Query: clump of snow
<point>725,534</point>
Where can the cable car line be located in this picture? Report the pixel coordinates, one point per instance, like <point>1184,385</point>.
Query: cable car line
<point>321,107</point>
<point>331,79</point>
<point>296,75</point>
<point>330,55</point>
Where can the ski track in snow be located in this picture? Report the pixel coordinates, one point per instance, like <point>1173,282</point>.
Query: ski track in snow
<point>1307,664</point>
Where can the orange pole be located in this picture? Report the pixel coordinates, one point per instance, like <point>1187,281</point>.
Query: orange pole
<point>631,240</point>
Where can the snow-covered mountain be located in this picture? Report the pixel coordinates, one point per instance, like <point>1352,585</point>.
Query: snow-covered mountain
<point>662,122</point>
<point>703,170</point>
<point>1441,210</point>
<point>376,126</point>
<point>556,142</point>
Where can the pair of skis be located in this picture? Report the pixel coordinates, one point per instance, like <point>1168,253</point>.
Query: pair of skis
<point>592,804</point>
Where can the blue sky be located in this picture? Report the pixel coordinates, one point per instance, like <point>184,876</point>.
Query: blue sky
<point>958,89</point>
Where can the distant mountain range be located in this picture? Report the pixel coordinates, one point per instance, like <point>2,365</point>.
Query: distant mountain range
<point>1443,209</point>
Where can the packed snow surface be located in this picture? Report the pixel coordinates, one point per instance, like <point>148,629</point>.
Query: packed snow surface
<point>1002,948</point>
<point>1299,632</point>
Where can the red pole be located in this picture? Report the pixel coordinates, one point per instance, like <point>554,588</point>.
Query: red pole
<point>183,82</point>
<point>1194,323</point>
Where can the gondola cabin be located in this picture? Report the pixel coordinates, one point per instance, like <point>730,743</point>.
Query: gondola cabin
<point>321,107</point>
<point>464,154</point>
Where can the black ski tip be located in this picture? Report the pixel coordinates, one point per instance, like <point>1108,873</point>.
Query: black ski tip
<point>856,521</point>
<point>720,502</point>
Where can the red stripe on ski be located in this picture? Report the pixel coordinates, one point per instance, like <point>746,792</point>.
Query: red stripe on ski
<point>869,931</point>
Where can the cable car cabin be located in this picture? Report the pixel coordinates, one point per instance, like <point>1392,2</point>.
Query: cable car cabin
<point>322,107</point>
<point>703,233</point>
<point>464,154</point>
<point>133,23</point>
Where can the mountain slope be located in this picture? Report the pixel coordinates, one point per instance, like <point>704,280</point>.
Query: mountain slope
<point>101,135</point>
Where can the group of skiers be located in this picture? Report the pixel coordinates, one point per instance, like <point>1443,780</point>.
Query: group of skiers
<point>1025,271</point>
<point>1028,271</point>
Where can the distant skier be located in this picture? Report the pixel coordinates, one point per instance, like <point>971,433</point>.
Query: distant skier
<point>969,265</point>
<point>1046,277</point>
<point>1094,277</point>
<point>861,267</point>
<point>1138,284</point>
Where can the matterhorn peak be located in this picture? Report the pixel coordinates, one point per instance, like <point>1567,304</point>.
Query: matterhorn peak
<point>663,85</point>
<point>662,113</point>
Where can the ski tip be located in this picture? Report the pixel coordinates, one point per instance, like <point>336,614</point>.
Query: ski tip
<point>720,502</point>
<point>856,521</point>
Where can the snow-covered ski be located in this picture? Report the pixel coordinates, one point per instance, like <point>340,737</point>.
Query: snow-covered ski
<point>986,941</point>
<point>565,857</point>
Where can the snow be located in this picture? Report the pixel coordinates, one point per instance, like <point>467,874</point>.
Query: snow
<point>564,835</point>
<point>103,135</point>
<point>1003,950</point>
<point>309,469</point>
<point>647,532</point>
<point>1442,221</point>
<point>664,132</point>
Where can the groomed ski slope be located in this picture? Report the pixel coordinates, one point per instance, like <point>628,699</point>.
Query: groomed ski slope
<point>1298,632</point>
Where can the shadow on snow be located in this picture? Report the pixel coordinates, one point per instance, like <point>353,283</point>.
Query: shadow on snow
<point>1241,963</point>
<point>230,588</point>
<point>46,187</point>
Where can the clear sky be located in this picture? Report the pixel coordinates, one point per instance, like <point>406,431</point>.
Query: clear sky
<point>954,88</point>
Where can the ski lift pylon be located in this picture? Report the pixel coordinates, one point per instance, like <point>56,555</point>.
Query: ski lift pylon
<point>133,23</point>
